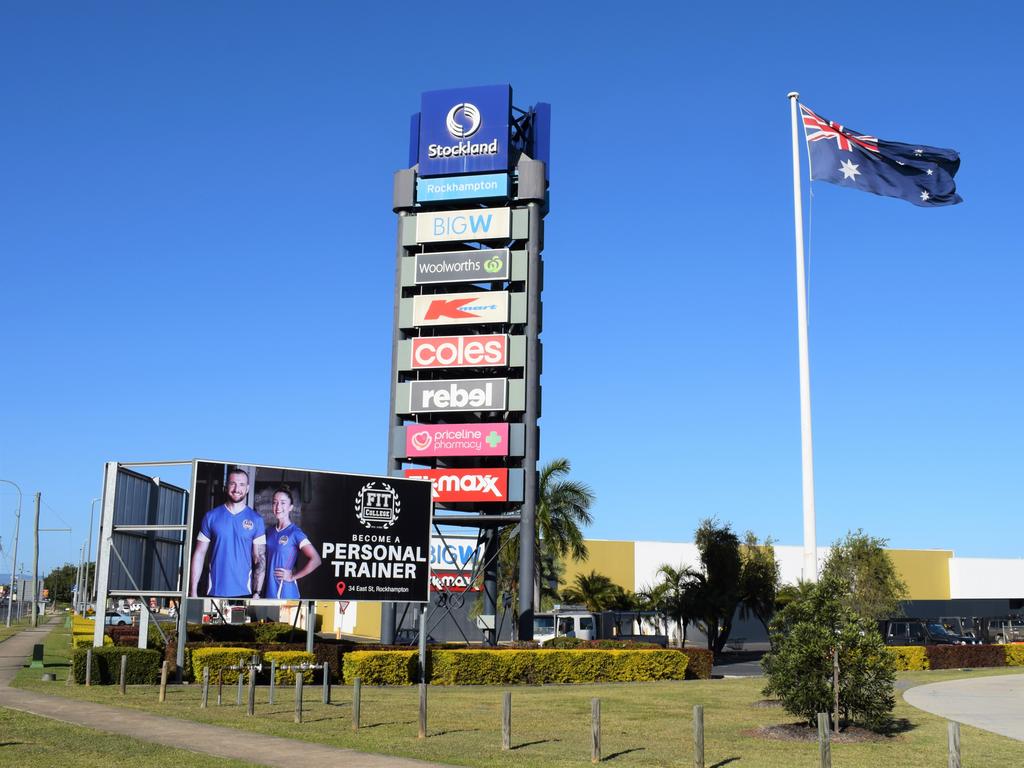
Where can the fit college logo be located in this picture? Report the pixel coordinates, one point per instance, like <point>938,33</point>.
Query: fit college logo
<point>472,116</point>
<point>377,505</point>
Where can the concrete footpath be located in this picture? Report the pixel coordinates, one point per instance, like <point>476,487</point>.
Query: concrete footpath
<point>182,734</point>
<point>993,703</point>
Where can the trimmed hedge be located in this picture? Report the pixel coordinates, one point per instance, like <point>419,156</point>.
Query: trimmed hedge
<point>571,643</point>
<point>1014,655</point>
<point>85,641</point>
<point>701,661</point>
<point>143,665</point>
<point>959,656</point>
<point>908,658</point>
<point>381,667</point>
<point>287,676</point>
<point>220,658</point>
<point>472,667</point>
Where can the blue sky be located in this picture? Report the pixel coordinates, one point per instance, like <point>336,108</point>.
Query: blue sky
<point>198,246</point>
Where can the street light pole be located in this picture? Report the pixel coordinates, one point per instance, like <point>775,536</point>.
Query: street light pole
<point>88,559</point>
<point>14,560</point>
<point>35,567</point>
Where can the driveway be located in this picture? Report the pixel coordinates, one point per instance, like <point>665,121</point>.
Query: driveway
<point>993,703</point>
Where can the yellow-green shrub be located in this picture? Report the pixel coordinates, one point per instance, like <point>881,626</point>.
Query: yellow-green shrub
<point>85,641</point>
<point>381,667</point>
<point>473,667</point>
<point>909,658</point>
<point>288,658</point>
<point>220,659</point>
<point>1015,655</point>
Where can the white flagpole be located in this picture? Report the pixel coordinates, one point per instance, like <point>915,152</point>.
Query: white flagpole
<point>810,569</point>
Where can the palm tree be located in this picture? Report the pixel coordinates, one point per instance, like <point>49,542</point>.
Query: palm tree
<point>594,590</point>
<point>681,589</point>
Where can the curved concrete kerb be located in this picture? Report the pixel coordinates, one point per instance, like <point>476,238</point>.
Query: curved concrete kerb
<point>993,703</point>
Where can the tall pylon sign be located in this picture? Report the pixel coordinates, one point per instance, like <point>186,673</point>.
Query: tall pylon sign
<point>466,354</point>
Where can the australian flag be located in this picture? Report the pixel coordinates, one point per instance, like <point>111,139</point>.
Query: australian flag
<point>913,172</point>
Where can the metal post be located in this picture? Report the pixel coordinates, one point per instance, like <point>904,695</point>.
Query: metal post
<point>123,682</point>
<point>298,695</point>
<point>490,581</point>
<point>88,665</point>
<point>388,610</point>
<point>810,570</point>
<point>595,730</point>
<point>273,679</point>
<point>35,569</point>
<point>103,554</point>
<point>356,702</point>
<point>78,581</point>
<point>698,736</point>
<point>251,710</point>
<point>88,558</point>
<point>824,747</point>
<point>422,660</point>
<point>326,697</point>
<point>310,625</point>
<point>954,744</point>
<point>206,689</point>
<point>835,687</point>
<point>528,519</point>
<point>220,686</point>
<point>423,711</point>
<point>14,558</point>
<point>506,721</point>
<point>164,668</point>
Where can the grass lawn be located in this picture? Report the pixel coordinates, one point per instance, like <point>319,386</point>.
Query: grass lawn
<point>16,625</point>
<point>28,741</point>
<point>643,724</point>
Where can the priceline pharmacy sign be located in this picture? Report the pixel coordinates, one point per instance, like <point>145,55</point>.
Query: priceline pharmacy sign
<point>465,130</point>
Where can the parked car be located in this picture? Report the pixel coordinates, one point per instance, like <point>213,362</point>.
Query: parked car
<point>965,626</point>
<point>917,632</point>
<point>115,618</point>
<point>1002,629</point>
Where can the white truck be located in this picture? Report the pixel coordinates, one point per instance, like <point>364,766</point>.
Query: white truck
<point>576,621</point>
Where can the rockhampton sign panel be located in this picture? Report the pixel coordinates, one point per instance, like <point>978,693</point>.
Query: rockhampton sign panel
<point>483,187</point>
<point>255,530</point>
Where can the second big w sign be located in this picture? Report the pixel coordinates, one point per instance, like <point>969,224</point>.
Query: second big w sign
<point>465,396</point>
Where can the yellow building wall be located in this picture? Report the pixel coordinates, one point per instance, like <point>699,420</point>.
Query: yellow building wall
<point>367,619</point>
<point>614,559</point>
<point>926,572</point>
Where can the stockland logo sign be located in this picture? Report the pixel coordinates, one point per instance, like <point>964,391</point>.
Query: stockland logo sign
<point>471,225</point>
<point>454,395</point>
<point>464,130</point>
<point>487,185</point>
<point>476,266</point>
<point>460,308</point>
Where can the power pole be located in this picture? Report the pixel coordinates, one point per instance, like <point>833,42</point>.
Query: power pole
<point>88,559</point>
<point>35,567</point>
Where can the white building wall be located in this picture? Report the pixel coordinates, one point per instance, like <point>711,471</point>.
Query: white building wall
<point>984,577</point>
<point>649,556</point>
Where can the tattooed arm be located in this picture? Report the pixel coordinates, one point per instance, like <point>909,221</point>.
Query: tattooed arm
<point>259,561</point>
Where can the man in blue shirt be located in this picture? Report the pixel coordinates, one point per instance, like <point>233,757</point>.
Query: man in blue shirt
<point>235,536</point>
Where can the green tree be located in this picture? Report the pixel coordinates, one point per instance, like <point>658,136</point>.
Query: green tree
<point>60,580</point>
<point>759,579</point>
<point>873,585</point>
<point>595,591</point>
<point>719,578</point>
<point>681,591</point>
<point>809,636</point>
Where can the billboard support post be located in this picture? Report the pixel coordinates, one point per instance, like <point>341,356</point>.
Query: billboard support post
<point>490,581</point>
<point>311,624</point>
<point>423,644</point>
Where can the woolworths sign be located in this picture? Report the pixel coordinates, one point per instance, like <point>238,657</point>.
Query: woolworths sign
<point>473,266</point>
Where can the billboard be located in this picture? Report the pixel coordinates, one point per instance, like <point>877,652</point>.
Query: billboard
<point>455,395</point>
<point>456,439</point>
<point>453,563</point>
<point>472,225</point>
<point>459,351</point>
<point>274,533</point>
<point>473,266</point>
<point>452,486</point>
<point>483,187</point>
<point>465,130</point>
<point>460,308</point>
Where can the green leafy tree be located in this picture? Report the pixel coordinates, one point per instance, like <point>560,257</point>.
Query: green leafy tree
<point>681,591</point>
<point>719,578</point>
<point>60,580</point>
<point>809,636</point>
<point>861,563</point>
<point>595,591</point>
<point>759,579</point>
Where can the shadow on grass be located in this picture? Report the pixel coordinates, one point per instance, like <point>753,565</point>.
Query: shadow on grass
<point>390,722</point>
<point>455,730</point>
<point>896,726</point>
<point>534,743</point>
<point>727,760</point>
<point>622,752</point>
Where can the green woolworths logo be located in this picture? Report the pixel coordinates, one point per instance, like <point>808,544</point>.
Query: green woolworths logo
<point>493,264</point>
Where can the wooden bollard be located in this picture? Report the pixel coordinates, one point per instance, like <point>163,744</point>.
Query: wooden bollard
<point>123,681</point>
<point>251,709</point>
<point>220,686</point>
<point>205,701</point>
<point>954,744</point>
<point>273,678</point>
<point>298,695</point>
<point>506,721</point>
<point>326,697</point>
<point>357,686</point>
<point>88,666</point>
<point>595,730</point>
<point>423,711</point>
<point>698,736</point>
<point>824,747</point>
<point>241,682</point>
<point>163,681</point>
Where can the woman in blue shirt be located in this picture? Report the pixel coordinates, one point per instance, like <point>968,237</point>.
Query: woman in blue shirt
<point>284,541</point>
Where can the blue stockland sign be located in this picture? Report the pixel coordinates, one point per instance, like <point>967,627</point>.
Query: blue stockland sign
<point>465,130</point>
<point>481,187</point>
